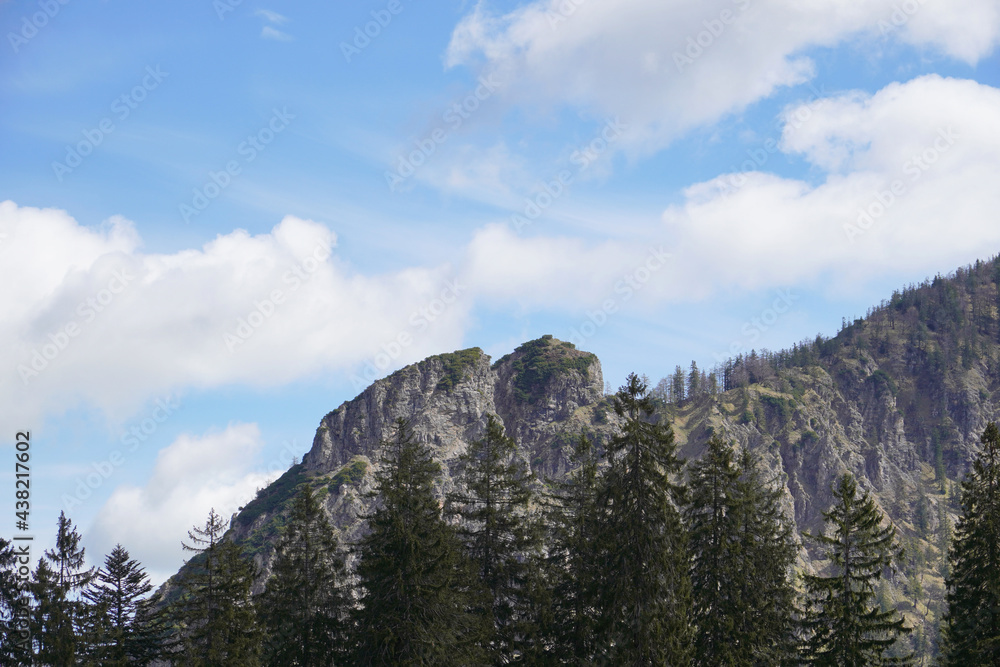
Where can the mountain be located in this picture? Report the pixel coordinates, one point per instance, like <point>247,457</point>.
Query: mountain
<point>899,398</point>
<point>544,392</point>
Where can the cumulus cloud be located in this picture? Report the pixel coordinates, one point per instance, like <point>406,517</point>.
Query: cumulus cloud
<point>906,182</point>
<point>909,186</point>
<point>192,475</point>
<point>906,185</point>
<point>94,318</point>
<point>666,66</point>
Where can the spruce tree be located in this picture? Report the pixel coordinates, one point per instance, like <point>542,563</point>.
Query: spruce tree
<point>14,632</point>
<point>417,586</point>
<point>574,562</point>
<point>742,550</point>
<point>501,538</point>
<point>972,625</point>
<point>712,516</point>
<point>766,622</point>
<point>844,622</point>
<point>646,593</point>
<point>124,627</point>
<point>58,614</point>
<point>303,607</point>
<point>215,614</point>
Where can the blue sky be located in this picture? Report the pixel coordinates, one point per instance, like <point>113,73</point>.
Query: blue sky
<point>220,218</point>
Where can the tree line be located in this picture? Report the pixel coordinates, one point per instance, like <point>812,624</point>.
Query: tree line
<point>632,559</point>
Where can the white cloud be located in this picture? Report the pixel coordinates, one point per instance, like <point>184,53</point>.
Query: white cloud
<point>167,329</point>
<point>932,140</point>
<point>273,17</point>
<point>162,324</point>
<point>270,33</point>
<point>192,475</point>
<point>666,66</point>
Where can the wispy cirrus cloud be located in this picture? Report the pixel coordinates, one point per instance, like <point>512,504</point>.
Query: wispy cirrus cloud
<point>269,32</point>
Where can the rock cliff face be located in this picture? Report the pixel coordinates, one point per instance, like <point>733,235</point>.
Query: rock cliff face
<point>546,393</point>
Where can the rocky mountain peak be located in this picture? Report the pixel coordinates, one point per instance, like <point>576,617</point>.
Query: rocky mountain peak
<point>545,393</point>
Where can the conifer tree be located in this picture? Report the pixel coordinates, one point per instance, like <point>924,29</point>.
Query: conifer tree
<point>303,607</point>
<point>972,627</point>
<point>217,619</point>
<point>844,622</point>
<point>712,519</point>
<point>14,631</point>
<point>417,593</point>
<point>694,384</point>
<point>766,622</point>
<point>742,550</point>
<point>646,593</point>
<point>575,563</point>
<point>58,615</point>
<point>124,628</point>
<point>500,537</point>
<point>677,385</point>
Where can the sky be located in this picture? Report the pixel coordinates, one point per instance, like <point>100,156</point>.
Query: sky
<point>221,219</point>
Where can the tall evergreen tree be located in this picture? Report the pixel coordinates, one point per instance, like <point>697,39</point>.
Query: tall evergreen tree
<point>58,614</point>
<point>767,622</point>
<point>646,594</point>
<point>677,385</point>
<point>742,550</point>
<point>14,629</point>
<point>973,622</point>
<point>303,607</point>
<point>712,516</point>
<point>417,593</point>
<point>844,622</point>
<point>124,627</point>
<point>503,541</point>
<point>215,614</point>
<point>694,385</point>
<point>575,563</point>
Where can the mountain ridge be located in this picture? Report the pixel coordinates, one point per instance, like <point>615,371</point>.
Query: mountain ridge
<point>898,398</point>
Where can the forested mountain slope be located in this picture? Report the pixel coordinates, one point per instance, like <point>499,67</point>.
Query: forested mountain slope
<point>899,398</point>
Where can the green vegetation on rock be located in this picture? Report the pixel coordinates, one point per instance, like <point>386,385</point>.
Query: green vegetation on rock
<point>274,496</point>
<point>351,473</point>
<point>541,359</point>
<point>456,366</point>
